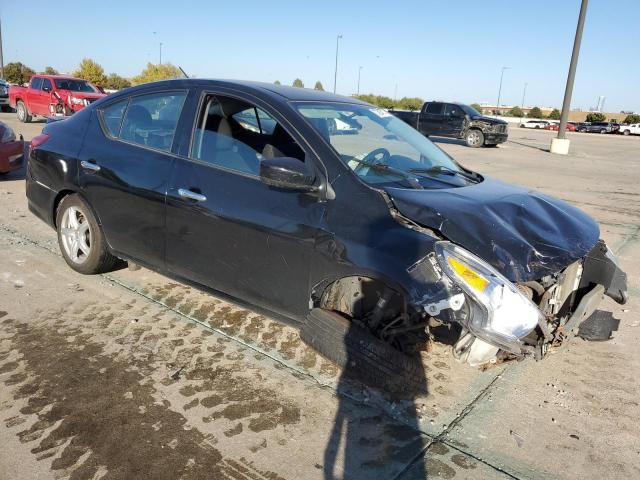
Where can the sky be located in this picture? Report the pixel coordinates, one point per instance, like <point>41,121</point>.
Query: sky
<point>446,50</point>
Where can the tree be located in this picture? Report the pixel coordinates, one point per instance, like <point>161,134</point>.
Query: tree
<point>154,73</point>
<point>632,118</point>
<point>277,82</point>
<point>91,71</point>
<point>516,112</point>
<point>409,103</point>
<point>50,71</point>
<point>116,82</point>
<point>298,83</point>
<point>596,117</point>
<point>477,107</point>
<point>555,114</point>
<point>16,72</point>
<point>318,86</point>
<point>535,112</point>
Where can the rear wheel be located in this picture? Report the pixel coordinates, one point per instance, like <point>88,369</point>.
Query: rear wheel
<point>626,132</point>
<point>22,112</point>
<point>80,238</point>
<point>474,138</point>
<point>603,131</point>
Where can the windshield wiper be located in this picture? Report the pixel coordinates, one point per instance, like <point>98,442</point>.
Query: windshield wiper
<point>383,167</point>
<point>444,170</point>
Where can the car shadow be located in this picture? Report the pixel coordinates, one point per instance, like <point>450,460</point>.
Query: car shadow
<point>19,174</point>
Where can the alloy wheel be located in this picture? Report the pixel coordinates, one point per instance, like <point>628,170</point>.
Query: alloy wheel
<point>21,113</point>
<point>76,235</point>
<point>473,138</point>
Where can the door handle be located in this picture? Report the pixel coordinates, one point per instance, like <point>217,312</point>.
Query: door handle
<point>198,197</point>
<point>90,166</point>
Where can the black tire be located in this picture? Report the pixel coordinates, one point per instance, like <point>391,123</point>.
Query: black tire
<point>537,127</point>
<point>626,132</point>
<point>22,112</point>
<point>363,356</point>
<point>603,131</point>
<point>99,260</point>
<point>491,145</point>
<point>474,138</point>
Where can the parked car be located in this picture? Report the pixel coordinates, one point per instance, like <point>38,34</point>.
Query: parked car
<point>596,127</point>
<point>49,95</point>
<point>632,129</point>
<point>571,127</point>
<point>366,240</point>
<point>4,96</point>
<point>534,124</point>
<point>456,120</point>
<point>11,150</point>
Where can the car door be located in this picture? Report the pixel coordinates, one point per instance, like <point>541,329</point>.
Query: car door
<point>453,123</point>
<point>125,167</point>
<point>431,118</point>
<point>33,96</point>
<point>45,96</point>
<point>228,230</point>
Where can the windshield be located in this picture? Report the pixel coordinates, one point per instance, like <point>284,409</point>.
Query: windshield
<point>472,112</point>
<point>380,148</point>
<point>75,85</point>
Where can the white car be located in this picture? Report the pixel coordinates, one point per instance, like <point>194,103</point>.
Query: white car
<point>633,129</point>
<point>534,124</point>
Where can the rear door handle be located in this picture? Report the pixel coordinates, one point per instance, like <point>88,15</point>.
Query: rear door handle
<point>90,166</point>
<point>198,197</point>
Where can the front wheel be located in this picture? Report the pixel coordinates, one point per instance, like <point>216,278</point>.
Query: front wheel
<point>80,238</point>
<point>626,132</point>
<point>603,131</point>
<point>22,112</point>
<point>474,138</point>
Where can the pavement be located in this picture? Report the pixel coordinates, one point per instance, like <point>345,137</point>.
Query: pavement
<point>133,375</point>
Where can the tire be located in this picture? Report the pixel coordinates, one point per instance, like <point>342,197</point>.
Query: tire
<point>474,138</point>
<point>22,112</point>
<point>603,131</point>
<point>363,356</point>
<point>537,127</point>
<point>491,145</point>
<point>87,240</point>
<point>627,132</point>
<point>522,125</point>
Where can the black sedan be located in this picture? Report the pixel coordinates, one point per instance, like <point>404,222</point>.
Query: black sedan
<point>245,188</point>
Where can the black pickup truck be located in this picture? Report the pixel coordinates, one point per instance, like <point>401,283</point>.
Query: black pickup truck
<point>442,119</point>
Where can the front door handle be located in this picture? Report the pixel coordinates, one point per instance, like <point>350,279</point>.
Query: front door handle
<point>90,166</point>
<point>198,197</point>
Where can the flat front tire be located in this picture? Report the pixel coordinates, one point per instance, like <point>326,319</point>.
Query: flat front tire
<point>22,112</point>
<point>80,238</point>
<point>474,138</point>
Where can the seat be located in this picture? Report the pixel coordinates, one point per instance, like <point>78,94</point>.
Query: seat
<point>137,119</point>
<point>322,127</point>
<point>220,148</point>
<point>282,145</point>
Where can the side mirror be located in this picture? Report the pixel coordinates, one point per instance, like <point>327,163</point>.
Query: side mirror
<point>287,172</point>
<point>46,89</point>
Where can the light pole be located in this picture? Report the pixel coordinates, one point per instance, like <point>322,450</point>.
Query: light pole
<point>500,89</point>
<point>335,75</point>
<point>359,70</point>
<point>160,53</point>
<point>561,144</point>
<point>524,92</point>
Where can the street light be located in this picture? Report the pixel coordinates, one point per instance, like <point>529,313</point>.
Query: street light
<point>524,92</point>
<point>335,75</point>
<point>500,88</point>
<point>359,70</point>
<point>156,33</point>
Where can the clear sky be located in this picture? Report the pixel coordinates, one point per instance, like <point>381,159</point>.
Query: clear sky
<point>450,50</point>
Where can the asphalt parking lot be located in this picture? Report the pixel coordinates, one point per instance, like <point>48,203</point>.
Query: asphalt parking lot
<point>132,375</point>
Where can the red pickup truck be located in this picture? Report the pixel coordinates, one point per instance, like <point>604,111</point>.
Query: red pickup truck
<point>52,95</point>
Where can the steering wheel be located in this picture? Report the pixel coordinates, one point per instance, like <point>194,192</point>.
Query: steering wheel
<point>379,155</point>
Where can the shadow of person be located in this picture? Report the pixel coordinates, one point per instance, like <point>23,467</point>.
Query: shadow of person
<point>366,442</point>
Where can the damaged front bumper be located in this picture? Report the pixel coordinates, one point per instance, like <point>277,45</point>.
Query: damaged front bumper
<point>519,319</point>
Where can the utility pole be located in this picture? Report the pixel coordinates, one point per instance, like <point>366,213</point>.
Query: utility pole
<point>1,57</point>
<point>160,53</point>
<point>560,144</point>
<point>500,89</point>
<point>359,70</point>
<point>335,75</point>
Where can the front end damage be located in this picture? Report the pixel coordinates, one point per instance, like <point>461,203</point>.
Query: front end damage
<point>497,318</point>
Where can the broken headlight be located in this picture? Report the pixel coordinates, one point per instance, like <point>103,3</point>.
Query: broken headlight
<point>503,315</point>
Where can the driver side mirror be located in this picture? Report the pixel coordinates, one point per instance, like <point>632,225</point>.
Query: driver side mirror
<point>46,89</point>
<point>287,172</point>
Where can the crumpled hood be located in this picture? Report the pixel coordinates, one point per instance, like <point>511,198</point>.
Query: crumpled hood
<point>524,234</point>
<point>91,95</point>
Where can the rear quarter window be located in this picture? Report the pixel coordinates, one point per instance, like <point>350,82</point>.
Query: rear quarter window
<point>112,117</point>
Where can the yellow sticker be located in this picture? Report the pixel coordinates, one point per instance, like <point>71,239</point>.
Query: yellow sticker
<point>473,279</point>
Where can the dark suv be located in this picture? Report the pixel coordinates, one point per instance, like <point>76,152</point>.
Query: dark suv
<point>456,120</point>
<point>597,127</point>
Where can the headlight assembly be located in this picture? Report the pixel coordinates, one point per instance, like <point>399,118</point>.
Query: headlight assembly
<point>502,315</point>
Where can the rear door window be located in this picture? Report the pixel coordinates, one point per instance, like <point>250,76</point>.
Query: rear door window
<point>434,108</point>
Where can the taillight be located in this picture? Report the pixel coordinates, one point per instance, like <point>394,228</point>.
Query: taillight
<point>37,141</point>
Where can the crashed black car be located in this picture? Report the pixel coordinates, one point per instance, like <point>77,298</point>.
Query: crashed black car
<point>256,191</point>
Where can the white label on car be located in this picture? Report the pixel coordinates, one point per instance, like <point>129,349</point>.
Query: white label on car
<point>380,112</point>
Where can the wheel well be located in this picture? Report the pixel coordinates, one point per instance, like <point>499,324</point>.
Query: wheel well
<point>57,201</point>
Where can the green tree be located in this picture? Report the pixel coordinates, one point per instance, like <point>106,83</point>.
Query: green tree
<point>410,103</point>
<point>17,72</point>
<point>318,86</point>
<point>91,71</point>
<point>516,112</point>
<point>477,106</point>
<point>596,117</point>
<point>50,71</point>
<point>298,83</point>
<point>555,114</point>
<point>535,112</point>
<point>632,118</point>
<point>277,82</point>
<point>157,72</point>
<point>116,82</point>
